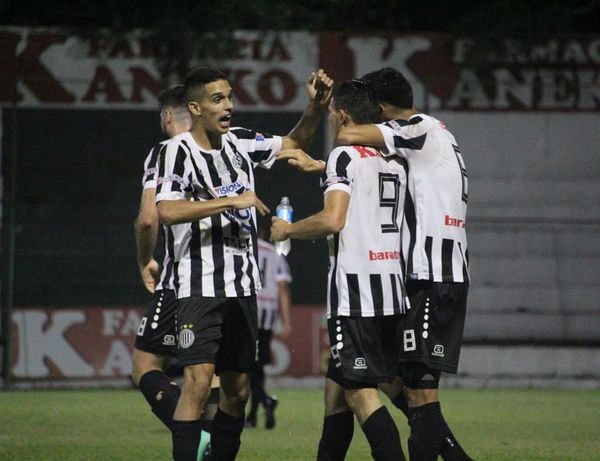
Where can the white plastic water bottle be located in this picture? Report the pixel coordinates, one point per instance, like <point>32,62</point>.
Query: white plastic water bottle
<point>284,211</point>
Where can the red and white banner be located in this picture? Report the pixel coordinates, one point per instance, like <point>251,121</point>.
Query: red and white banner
<point>97,343</point>
<point>47,68</point>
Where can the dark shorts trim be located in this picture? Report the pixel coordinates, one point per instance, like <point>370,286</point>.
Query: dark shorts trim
<point>432,330</point>
<point>363,349</point>
<point>157,330</point>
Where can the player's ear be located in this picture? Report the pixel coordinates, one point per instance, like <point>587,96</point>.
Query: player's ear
<point>344,117</point>
<point>194,108</point>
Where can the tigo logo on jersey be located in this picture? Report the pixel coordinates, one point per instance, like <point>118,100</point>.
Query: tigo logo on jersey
<point>360,363</point>
<point>381,255</point>
<point>228,189</point>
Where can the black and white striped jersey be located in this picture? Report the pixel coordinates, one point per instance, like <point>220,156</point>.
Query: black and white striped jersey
<point>165,281</point>
<point>215,256</point>
<point>434,238</point>
<point>273,269</point>
<point>365,271</point>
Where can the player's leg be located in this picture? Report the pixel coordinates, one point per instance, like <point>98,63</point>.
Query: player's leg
<point>154,346</point>
<point>367,354</point>
<point>255,395</point>
<point>158,389</point>
<point>257,379</point>
<point>235,360</point>
<point>432,337</point>
<point>338,422</point>
<point>208,415</point>
<point>269,402</point>
<point>199,324</point>
<point>451,449</point>
<point>376,422</point>
<point>187,425</point>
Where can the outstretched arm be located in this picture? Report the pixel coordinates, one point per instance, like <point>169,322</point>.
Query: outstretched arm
<point>330,220</point>
<point>146,232</point>
<point>319,88</point>
<point>182,211</point>
<point>360,135</point>
<point>301,160</point>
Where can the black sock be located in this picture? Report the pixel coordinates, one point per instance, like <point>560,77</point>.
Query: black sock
<point>225,439</point>
<point>161,393</point>
<point>336,437</point>
<point>451,449</point>
<point>186,437</point>
<point>383,436</point>
<point>424,443</point>
<point>400,402</point>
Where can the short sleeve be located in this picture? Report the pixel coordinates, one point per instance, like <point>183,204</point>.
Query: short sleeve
<point>173,181</point>
<point>338,171</point>
<point>260,147</point>
<point>150,169</point>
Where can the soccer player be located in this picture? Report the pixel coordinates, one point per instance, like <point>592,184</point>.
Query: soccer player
<point>274,301</point>
<point>434,247</point>
<point>362,218</point>
<point>206,195</point>
<point>155,344</point>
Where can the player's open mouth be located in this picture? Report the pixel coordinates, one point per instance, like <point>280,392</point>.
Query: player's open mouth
<point>225,121</point>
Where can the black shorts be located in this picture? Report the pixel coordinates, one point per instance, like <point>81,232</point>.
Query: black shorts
<point>432,329</point>
<point>157,331</point>
<point>223,331</point>
<point>363,350</point>
<point>264,347</point>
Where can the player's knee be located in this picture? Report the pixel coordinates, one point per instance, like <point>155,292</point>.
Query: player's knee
<point>420,377</point>
<point>237,396</point>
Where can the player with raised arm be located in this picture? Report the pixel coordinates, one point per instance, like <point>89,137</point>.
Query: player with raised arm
<point>362,219</point>
<point>206,183</point>
<point>434,248</point>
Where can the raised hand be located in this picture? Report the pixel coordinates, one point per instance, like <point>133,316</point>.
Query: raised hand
<point>320,88</point>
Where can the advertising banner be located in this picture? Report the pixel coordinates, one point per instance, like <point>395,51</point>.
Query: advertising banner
<point>96,343</point>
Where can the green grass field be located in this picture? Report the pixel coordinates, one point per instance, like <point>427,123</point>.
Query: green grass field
<point>493,425</point>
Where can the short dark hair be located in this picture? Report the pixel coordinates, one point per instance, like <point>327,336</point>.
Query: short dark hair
<point>391,87</point>
<point>197,78</point>
<point>172,97</point>
<point>358,99</point>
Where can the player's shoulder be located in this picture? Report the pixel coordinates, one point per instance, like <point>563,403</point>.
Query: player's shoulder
<point>343,151</point>
<point>242,133</point>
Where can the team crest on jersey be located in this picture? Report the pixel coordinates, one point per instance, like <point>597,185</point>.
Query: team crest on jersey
<point>259,137</point>
<point>238,160</point>
<point>186,336</point>
<point>221,166</point>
